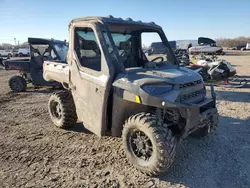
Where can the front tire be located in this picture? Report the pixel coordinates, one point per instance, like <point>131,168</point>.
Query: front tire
<point>62,109</point>
<point>17,84</point>
<point>150,147</point>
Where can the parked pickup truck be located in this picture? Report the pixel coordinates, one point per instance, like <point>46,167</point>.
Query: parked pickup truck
<point>113,88</point>
<point>31,68</point>
<point>23,52</point>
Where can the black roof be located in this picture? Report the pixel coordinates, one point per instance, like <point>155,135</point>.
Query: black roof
<point>205,40</point>
<point>43,41</point>
<point>110,19</point>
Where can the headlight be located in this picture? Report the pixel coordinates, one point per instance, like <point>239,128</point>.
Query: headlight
<point>157,89</point>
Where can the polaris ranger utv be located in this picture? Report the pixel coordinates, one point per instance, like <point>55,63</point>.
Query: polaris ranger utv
<point>31,68</point>
<point>115,90</point>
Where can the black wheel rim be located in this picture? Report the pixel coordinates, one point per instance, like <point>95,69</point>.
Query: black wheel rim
<point>56,109</point>
<point>16,85</point>
<point>141,145</point>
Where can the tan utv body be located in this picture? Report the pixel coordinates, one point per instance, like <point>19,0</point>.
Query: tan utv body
<point>115,90</point>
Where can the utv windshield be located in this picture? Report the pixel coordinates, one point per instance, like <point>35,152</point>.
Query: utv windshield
<point>137,47</point>
<point>62,50</point>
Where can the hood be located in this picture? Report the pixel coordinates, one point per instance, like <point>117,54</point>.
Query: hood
<point>141,77</point>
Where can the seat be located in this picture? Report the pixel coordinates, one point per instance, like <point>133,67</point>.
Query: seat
<point>126,55</point>
<point>38,60</point>
<point>90,55</point>
<point>47,55</point>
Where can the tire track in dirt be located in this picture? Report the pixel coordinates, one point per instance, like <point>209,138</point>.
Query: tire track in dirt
<point>34,153</point>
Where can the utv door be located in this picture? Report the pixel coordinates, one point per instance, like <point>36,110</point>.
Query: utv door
<point>36,71</point>
<point>91,75</point>
<point>36,66</point>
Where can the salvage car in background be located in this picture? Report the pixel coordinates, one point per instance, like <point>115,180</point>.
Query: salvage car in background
<point>206,46</point>
<point>6,53</point>
<point>239,47</point>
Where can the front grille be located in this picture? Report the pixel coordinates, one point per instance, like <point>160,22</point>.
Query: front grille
<point>190,84</point>
<point>188,96</point>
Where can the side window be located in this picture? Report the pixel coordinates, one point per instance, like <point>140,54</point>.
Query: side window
<point>151,40</point>
<point>87,49</point>
<point>109,45</point>
<point>53,54</point>
<point>39,49</point>
<point>123,43</point>
<point>152,45</point>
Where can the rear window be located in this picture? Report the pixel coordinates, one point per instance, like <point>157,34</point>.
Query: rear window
<point>120,40</point>
<point>39,48</point>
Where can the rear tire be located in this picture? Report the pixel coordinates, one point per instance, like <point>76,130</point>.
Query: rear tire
<point>17,84</point>
<point>62,109</point>
<point>150,147</point>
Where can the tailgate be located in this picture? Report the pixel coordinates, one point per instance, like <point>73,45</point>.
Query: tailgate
<point>17,65</point>
<point>54,71</point>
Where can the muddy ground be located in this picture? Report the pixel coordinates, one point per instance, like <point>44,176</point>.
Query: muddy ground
<point>34,153</point>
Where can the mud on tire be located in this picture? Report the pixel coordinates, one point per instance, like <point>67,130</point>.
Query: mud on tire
<point>17,84</point>
<point>157,141</point>
<point>62,109</point>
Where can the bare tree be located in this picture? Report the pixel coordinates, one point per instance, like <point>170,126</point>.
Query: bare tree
<point>24,45</point>
<point>227,42</point>
<point>5,46</point>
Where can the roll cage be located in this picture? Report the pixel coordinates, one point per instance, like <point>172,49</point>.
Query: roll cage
<point>110,25</point>
<point>50,43</point>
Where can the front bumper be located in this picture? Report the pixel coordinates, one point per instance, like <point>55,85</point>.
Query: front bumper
<point>200,115</point>
<point>196,121</point>
<point>197,115</point>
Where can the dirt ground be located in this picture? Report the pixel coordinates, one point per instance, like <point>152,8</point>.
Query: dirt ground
<point>34,153</point>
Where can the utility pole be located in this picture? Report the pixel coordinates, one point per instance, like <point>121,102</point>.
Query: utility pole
<point>15,41</point>
<point>18,43</point>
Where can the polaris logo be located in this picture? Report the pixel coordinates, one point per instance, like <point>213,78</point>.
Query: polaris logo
<point>190,84</point>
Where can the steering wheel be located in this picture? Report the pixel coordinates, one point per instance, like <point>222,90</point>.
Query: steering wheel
<point>161,58</point>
